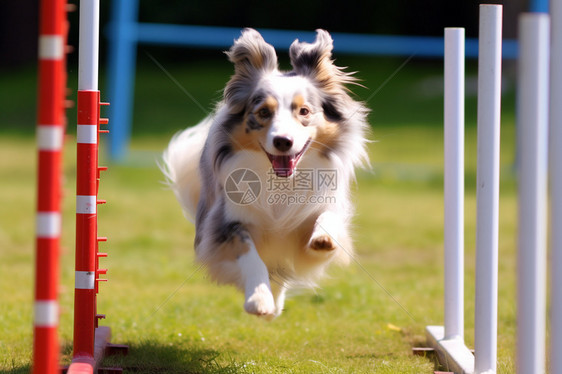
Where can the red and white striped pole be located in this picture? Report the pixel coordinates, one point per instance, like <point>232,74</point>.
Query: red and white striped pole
<point>50,132</point>
<point>88,105</point>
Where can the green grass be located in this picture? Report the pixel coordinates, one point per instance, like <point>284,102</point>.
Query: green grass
<point>364,318</point>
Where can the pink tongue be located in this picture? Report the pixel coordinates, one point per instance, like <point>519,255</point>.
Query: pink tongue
<point>283,165</point>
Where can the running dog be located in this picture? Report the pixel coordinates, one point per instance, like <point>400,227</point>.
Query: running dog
<point>267,175</point>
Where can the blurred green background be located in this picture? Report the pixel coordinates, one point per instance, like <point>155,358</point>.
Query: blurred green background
<point>364,318</point>
<point>154,94</point>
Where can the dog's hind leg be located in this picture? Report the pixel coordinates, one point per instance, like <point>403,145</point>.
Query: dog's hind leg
<point>231,257</point>
<point>257,289</point>
<point>278,288</point>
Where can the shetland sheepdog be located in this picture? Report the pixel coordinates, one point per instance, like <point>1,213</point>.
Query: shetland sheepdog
<point>267,175</point>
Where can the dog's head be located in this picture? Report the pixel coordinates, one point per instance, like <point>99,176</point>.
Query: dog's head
<point>283,114</point>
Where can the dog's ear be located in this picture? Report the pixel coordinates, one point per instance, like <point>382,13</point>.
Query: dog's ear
<point>250,53</point>
<point>315,61</point>
<point>251,57</point>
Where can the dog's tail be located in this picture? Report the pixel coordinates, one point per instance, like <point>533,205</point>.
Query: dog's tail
<point>181,166</point>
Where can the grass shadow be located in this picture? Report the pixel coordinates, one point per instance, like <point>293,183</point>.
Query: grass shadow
<point>65,357</point>
<point>26,369</point>
<point>154,357</point>
<point>430,355</point>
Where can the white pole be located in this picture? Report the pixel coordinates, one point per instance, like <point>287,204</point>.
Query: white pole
<point>88,45</point>
<point>533,122</point>
<point>532,117</point>
<point>489,103</point>
<point>556,184</point>
<point>454,183</point>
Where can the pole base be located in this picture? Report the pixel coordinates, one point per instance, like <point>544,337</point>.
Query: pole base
<point>452,353</point>
<point>102,348</point>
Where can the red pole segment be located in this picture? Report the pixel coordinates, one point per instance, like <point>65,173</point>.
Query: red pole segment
<point>50,133</point>
<point>86,222</point>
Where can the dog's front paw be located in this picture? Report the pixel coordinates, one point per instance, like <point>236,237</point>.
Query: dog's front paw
<point>260,302</point>
<point>322,243</point>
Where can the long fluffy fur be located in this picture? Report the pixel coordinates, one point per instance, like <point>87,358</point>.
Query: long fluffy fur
<point>181,165</point>
<point>264,247</point>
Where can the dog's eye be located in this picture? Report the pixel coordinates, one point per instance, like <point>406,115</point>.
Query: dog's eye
<point>304,112</point>
<point>264,113</point>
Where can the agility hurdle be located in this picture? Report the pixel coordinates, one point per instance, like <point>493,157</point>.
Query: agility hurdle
<point>90,341</point>
<point>533,138</point>
<point>87,274</point>
<point>448,341</point>
<point>50,132</point>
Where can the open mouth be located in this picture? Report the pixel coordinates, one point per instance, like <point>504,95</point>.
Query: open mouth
<point>285,165</point>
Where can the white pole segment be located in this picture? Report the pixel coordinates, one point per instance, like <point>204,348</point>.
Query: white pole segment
<point>532,116</point>
<point>489,103</point>
<point>88,45</point>
<point>454,183</point>
<point>556,184</point>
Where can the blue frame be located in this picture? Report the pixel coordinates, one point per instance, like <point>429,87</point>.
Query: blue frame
<point>125,32</point>
<point>540,6</point>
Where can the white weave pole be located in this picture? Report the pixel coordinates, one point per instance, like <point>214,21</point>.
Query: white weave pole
<point>532,117</point>
<point>489,103</point>
<point>454,183</point>
<point>556,184</point>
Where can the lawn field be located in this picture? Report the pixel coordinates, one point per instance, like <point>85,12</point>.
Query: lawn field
<point>364,318</point>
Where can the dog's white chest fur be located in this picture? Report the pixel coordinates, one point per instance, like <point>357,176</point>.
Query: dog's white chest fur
<point>283,204</point>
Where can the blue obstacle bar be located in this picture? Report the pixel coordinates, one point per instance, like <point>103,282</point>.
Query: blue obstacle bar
<point>344,43</point>
<point>540,6</point>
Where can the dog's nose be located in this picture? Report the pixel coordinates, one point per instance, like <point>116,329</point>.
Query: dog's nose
<point>283,143</point>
